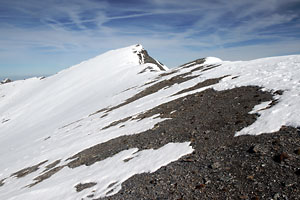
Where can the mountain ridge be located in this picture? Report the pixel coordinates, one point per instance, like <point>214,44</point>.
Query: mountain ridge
<point>129,111</point>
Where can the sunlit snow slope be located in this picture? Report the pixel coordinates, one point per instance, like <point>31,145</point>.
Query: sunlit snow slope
<point>45,122</point>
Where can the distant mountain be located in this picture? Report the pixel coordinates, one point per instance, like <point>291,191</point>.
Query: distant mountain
<point>6,80</point>
<point>124,126</point>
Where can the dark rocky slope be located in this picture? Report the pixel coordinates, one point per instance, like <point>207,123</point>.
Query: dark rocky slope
<point>222,166</point>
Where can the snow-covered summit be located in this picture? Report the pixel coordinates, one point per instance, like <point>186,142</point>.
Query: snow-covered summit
<point>128,58</point>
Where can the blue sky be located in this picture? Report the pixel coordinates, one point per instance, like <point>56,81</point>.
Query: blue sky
<point>44,37</point>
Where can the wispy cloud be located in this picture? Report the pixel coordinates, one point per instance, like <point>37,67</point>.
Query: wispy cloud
<point>60,33</point>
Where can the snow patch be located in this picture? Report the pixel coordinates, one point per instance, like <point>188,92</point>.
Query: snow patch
<point>260,107</point>
<point>212,60</point>
<point>104,173</point>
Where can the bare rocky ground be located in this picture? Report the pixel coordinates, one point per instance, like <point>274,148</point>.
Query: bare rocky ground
<point>222,166</point>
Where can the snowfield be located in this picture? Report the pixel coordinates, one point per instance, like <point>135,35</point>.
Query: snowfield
<point>44,120</point>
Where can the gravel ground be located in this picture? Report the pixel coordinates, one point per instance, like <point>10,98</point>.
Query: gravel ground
<point>222,166</point>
